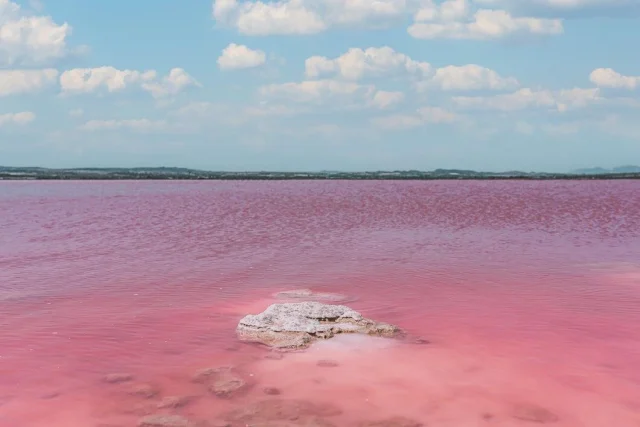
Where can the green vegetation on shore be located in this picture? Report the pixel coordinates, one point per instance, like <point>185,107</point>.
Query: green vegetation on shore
<point>168,173</point>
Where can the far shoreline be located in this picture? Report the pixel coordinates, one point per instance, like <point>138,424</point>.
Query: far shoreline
<point>245,179</point>
<point>184,174</point>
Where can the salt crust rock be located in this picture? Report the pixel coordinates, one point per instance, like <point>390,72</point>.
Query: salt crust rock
<point>298,325</point>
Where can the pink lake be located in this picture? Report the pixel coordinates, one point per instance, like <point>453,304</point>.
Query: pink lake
<point>528,293</point>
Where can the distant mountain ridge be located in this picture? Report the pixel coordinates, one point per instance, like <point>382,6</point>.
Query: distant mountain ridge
<point>597,170</point>
<point>168,173</point>
<point>188,171</point>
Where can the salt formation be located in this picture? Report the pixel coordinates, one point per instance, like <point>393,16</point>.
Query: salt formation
<point>298,325</point>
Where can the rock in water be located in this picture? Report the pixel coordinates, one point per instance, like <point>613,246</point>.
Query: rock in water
<point>227,386</point>
<point>281,413</point>
<point>165,421</point>
<point>117,378</point>
<point>392,422</point>
<point>298,325</point>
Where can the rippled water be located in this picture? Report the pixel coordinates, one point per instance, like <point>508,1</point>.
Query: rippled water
<point>528,293</point>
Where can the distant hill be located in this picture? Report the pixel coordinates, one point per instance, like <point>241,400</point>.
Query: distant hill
<point>161,173</point>
<point>597,171</point>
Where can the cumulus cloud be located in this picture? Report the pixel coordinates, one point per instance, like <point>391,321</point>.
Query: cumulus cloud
<point>24,81</point>
<point>559,6</point>
<point>455,19</point>
<point>470,77</point>
<point>384,99</point>
<point>311,91</point>
<point>22,118</point>
<point>137,125</point>
<point>235,57</point>
<point>260,18</point>
<point>357,63</point>
<point>176,81</point>
<point>30,39</point>
<point>340,93</point>
<point>89,80</point>
<point>422,116</point>
<point>527,98</point>
<point>609,78</point>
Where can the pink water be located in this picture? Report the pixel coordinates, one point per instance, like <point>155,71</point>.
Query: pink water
<point>529,293</point>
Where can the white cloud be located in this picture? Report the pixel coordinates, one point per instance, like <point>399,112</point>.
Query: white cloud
<point>267,110</point>
<point>562,5</point>
<point>448,19</point>
<point>609,78</point>
<point>24,81</point>
<point>447,11</point>
<point>201,109</point>
<point>172,84</point>
<point>338,93</point>
<point>363,11</point>
<point>89,80</point>
<point>22,118</point>
<point>260,18</point>
<point>314,91</point>
<point>30,39</point>
<point>527,98</point>
<point>207,114</point>
<point>137,125</point>
<point>470,77</point>
<point>383,99</point>
<point>422,116</point>
<point>236,57</point>
<point>357,63</point>
<point>454,19</point>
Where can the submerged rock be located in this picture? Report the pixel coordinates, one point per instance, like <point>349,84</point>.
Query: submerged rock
<point>274,356</point>
<point>281,412</point>
<point>146,391</point>
<point>273,391</point>
<point>165,421</point>
<point>312,422</point>
<point>533,414</point>
<point>392,422</point>
<point>51,395</point>
<point>327,363</point>
<point>227,385</point>
<point>117,378</point>
<point>140,409</point>
<point>206,374</point>
<point>297,325</point>
<point>175,402</point>
<point>222,381</point>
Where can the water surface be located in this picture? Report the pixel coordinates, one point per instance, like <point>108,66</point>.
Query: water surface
<point>528,293</point>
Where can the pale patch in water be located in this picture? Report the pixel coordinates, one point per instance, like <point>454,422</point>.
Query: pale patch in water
<point>350,343</point>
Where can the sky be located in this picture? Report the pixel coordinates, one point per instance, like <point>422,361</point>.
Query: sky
<point>292,85</point>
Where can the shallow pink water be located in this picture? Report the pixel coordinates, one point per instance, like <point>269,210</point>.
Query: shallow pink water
<point>529,293</point>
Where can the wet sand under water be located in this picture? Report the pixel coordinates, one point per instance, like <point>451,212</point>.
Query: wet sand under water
<point>529,311</point>
<point>434,381</point>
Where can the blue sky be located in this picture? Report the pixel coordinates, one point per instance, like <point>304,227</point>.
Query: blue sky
<point>320,84</point>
